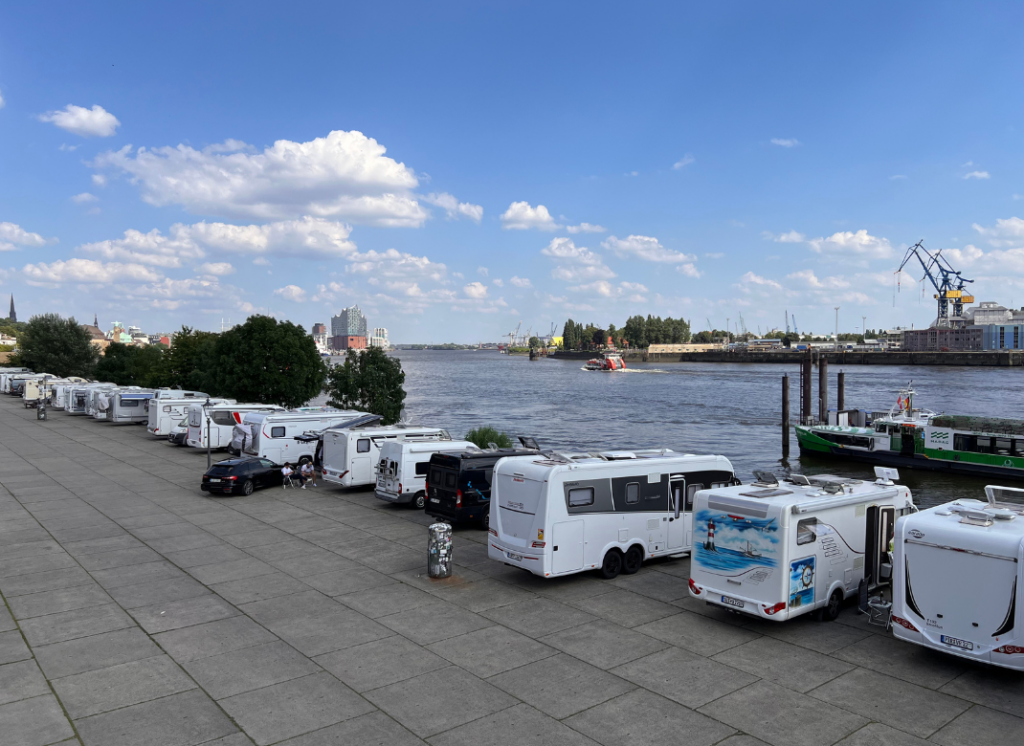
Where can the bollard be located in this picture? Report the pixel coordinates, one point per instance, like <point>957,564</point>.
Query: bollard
<point>785,416</point>
<point>823,390</point>
<point>439,550</point>
<point>841,392</point>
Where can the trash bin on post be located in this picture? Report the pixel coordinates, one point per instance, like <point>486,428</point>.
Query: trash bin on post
<point>439,550</point>
<point>41,410</point>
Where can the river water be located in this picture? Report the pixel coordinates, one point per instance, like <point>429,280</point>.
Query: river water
<point>729,409</point>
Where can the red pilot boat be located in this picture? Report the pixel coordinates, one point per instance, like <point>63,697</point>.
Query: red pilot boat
<point>609,360</point>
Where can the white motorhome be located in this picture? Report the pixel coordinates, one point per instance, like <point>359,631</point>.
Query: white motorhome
<point>98,400</point>
<point>16,383</point>
<point>557,514</point>
<point>778,550</point>
<point>58,397</point>
<point>76,398</point>
<point>223,418</point>
<point>9,375</point>
<point>165,412</point>
<point>276,435</point>
<point>403,466</point>
<point>42,388</point>
<point>104,401</point>
<point>131,405</point>
<point>350,454</point>
<point>958,578</point>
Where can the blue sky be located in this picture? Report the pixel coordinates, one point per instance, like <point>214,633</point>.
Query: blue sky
<point>187,162</point>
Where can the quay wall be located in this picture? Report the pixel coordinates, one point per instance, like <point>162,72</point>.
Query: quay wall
<point>999,359</point>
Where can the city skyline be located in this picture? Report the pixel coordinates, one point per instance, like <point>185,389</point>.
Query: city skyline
<point>695,162</point>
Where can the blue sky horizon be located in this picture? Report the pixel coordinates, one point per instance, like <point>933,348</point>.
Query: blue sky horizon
<point>457,168</point>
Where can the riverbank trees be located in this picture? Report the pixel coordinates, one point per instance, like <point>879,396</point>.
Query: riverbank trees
<point>368,381</point>
<point>636,332</point>
<point>49,343</point>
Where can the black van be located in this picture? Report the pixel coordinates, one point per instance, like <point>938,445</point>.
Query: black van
<point>459,485</point>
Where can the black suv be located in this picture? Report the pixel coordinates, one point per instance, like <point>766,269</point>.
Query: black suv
<point>459,485</point>
<point>241,476</point>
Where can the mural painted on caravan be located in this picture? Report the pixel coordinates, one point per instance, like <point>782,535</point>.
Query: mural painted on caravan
<point>801,582</point>
<point>734,545</point>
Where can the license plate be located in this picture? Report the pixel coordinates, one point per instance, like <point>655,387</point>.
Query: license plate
<point>957,643</point>
<point>732,602</point>
<point>214,480</point>
<point>435,500</point>
<point>516,557</point>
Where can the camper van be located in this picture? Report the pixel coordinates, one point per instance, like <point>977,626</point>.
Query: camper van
<point>105,400</point>
<point>98,400</point>
<point>6,374</point>
<point>165,412</point>
<point>778,550</point>
<point>350,454</point>
<point>275,435</point>
<point>58,397</point>
<point>41,388</point>
<point>958,578</point>
<point>76,398</point>
<point>403,466</point>
<point>223,418</point>
<point>16,384</point>
<point>557,514</point>
<point>131,405</point>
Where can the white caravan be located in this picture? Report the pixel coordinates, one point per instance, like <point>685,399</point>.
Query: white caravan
<point>98,399</point>
<point>557,514</point>
<point>76,398</point>
<point>350,454</point>
<point>223,418</point>
<point>6,374</point>
<point>166,412</point>
<point>958,578</point>
<point>104,401</point>
<point>43,388</point>
<point>16,384</point>
<point>403,466</point>
<point>58,397</point>
<point>275,435</point>
<point>131,405</point>
<point>777,551</point>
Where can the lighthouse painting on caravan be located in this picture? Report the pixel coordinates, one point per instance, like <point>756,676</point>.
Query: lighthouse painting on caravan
<point>734,544</point>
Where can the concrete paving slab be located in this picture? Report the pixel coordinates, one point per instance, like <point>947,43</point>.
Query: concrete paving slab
<point>782,717</point>
<point>439,701</point>
<point>480,595</point>
<point>206,555</point>
<point>996,688</point>
<point>808,633</point>
<point>260,588</point>
<point>185,719</point>
<point>53,602</point>
<point>111,688</point>
<point>292,708</point>
<point>34,722</point>
<point>255,538</point>
<point>100,546</point>
<point>213,638</point>
<point>876,734</point>
<point>314,561</point>
<point>372,729</point>
<point>561,686</point>
<point>529,726</point>
<point>788,665</point>
<point>625,608</point>
<point>27,565</point>
<point>492,650</point>
<point>603,644</point>
<point>6,620</point>
<point>434,622</point>
<point>380,663</point>
<point>223,572</point>
<point>21,681</point>
<point>641,717</point>
<point>536,617</point>
<point>913,663</point>
<point>697,633</point>
<point>684,677</point>
<point>249,668</point>
<point>120,558</point>
<point>351,580</point>
<point>94,652</point>
<point>657,585</point>
<point>162,617</point>
<point>391,599</point>
<point>157,591</point>
<point>980,726</point>
<point>133,574</point>
<point>13,647</point>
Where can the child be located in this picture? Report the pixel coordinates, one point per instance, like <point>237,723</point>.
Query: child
<point>286,472</point>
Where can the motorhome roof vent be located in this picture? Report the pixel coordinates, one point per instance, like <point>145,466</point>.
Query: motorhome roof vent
<point>766,493</point>
<point>1002,514</point>
<point>765,479</point>
<point>799,479</point>
<point>617,455</point>
<point>975,517</point>
<point>832,488</point>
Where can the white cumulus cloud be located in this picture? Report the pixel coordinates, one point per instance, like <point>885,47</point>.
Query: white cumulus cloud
<point>977,175</point>
<point>521,282</point>
<point>753,279</point>
<point>683,162</point>
<point>87,271</point>
<point>575,263</point>
<point>292,293</point>
<point>521,216</point>
<point>393,264</point>
<point>647,248</point>
<point>785,142</point>
<point>788,237</point>
<point>455,209</point>
<point>585,228</point>
<point>475,290</point>
<point>94,122</point>
<point>689,270</point>
<point>151,248</point>
<point>215,268</point>
<point>807,278</point>
<point>856,244</point>
<point>308,236</point>
<point>81,199</point>
<point>13,235</point>
<point>1006,232</point>
<point>343,175</point>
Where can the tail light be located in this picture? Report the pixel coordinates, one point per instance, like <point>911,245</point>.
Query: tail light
<point>1010,650</point>
<point>539,544</point>
<point>770,610</point>
<point>492,531</point>
<point>231,479</point>
<point>458,498</point>
<point>903,623</point>
<point>399,488</point>
<point>694,588</point>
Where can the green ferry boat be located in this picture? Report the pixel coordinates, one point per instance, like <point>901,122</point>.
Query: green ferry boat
<point>913,438</point>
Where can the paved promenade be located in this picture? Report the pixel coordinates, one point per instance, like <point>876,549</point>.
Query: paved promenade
<point>137,612</point>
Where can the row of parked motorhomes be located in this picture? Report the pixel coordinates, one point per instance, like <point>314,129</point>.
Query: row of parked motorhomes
<point>774,548</point>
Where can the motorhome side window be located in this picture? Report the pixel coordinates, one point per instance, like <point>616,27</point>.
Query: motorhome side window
<point>363,445</point>
<point>222,418</point>
<point>422,468</point>
<point>691,490</point>
<point>632,494</point>
<point>129,402</point>
<point>277,432</point>
<point>582,496</point>
<point>807,531</point>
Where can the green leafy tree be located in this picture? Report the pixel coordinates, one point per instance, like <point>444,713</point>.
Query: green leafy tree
<point>534,342</point>
<point>267,361</point>
<point>51,344</point>
<point>369,381</point>
<point>189,361</point>
<point>485,435</point>
<point>128,365</point>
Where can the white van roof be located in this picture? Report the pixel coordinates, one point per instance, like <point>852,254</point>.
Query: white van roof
<point>803,494</point>
<point>431,446</point>
<point>369,432</point>
<point>542,466</point>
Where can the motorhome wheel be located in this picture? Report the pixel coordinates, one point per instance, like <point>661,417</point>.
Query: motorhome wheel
<point>634,558</point>
<point>247,487</point>
<point>418,502</point>
<point>831,610</point>
<point>612,565</point>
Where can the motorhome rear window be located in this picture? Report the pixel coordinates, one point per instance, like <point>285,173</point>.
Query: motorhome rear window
<point>363,445</point>
<point>435,477</point>
<point>807,531</point>
<point>583,496</point>
<point>222,418</point>
<point>739,507</point>
<point>632,494</point>
<point>422,468</point>
<point>277,432</point>
<point>449,479</point>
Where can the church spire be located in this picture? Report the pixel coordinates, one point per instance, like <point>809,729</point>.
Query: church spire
<point>13,315</point>
<point>96,321</point>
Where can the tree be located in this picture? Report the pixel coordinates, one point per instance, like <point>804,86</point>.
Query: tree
<point>51,344</point>
<point>483,436</point>
<point>534,342</point>
<point>267,361</point>
<point>189,361</point>
<point>370,381</point>
<point>128,365</point>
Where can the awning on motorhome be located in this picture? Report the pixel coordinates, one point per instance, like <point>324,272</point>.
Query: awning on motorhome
<point>132,397</point>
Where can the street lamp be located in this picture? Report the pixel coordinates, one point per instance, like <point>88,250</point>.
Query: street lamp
<point>206,412</point>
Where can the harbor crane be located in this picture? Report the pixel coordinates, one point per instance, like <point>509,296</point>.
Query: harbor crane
<point>795,330</point>
<point>948,283</point>
<point>512,336</point>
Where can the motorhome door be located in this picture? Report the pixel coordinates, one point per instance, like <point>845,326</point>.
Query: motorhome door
<point>678,515</point>
<point>880,528</point>
<point>362,461</point>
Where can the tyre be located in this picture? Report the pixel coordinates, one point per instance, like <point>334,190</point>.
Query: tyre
<point>485,522</point>
<point>247,487</point>
<point>830,612</point>
<point>632,561</point>
<point>612,565</point>
<point>418,502</point>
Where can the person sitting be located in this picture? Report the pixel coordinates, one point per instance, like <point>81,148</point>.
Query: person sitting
<point>308,472</point>
<point>286,475</point>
